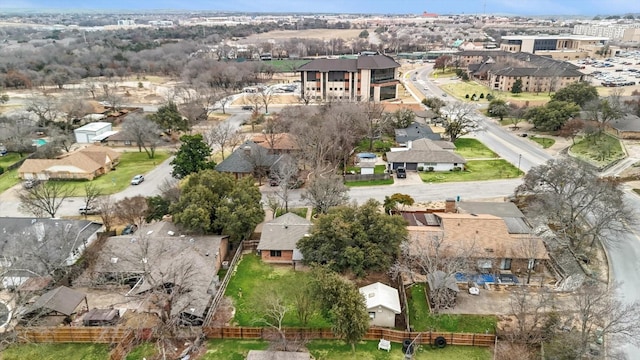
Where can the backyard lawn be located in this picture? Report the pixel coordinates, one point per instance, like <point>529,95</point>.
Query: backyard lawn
<point>9,178</point>
<point>338,350</point>
<point>131,164</point>
<point>473,149</point>
<point>56,351</point>
<point>253,279</point>
<point>422,320</point>
<point>599,150</point>
<point>476,170</point>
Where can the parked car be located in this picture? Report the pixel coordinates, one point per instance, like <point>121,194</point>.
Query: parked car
<point>247,107</point>
<point>401,173</point>
<point>30,183</point>
<point>88,211</point>
<point>137,180</point>
<point>129,229</point>
<point>3,150</point>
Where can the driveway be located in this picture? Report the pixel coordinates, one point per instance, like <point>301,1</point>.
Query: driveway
<point>413,178</point>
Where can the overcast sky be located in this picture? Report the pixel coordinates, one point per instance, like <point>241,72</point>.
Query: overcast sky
<point>515,7</point>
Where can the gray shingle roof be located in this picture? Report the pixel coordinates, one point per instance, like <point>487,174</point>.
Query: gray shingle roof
<point>352,65</point>
<point>283,232</point>
<point>425,156</point>
<point>61,299</point>
<point>499,209</point>
<point>34,246</point>
<point>415,131</point>
<point>629,122</point>
<point>246,157</point>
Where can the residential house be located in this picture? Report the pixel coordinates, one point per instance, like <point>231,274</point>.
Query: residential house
<point>249,159</point>
<point>413,132</point>
<point>425,154</point>
<point>627,127</point>
<point>485,239</point>
<point>383,304</point>
<point>38,247</point>
<point>159,256</point>
<point>87,133</point>
<point>279,239</point>
<point>84,164</point>
<point>279,143</point>
<point>361,78</point>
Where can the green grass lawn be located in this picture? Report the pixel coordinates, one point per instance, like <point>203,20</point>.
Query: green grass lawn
<point>142,351</point>
<point>286,65</point>
<point>302,212</point>
<point>600,150</point>
<point>378,169</point>
<point>462,88</point>
<point>338,350</point>
<point>543,141</point>
<point>56,351</point>
<point>131,164</point>
<point>388,181</point>
<point>253,279</point>
<point>422,320</point>
<point>368,350</point>
<point>473,149</point>
<point>476,170</point>
<point>8,180</point>
<point>380,146</point>
<point>9,159</point>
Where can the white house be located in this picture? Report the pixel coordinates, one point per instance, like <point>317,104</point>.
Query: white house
<point>427,155</point>
<point>383,304</point>
<point>86,134</point>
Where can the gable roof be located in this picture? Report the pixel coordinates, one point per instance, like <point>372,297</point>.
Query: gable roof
<point>29,243</point>
<point>425,156</point>
<point>368,62</point>
<point>246,157</point>
<point>185,260</point>
<point>379,294</point>
<point>415,131</point>
<point>88,160</point>
<point>61,299</point>
<point>283,232</point>
<point>487,235</point>
<point>508,211</point>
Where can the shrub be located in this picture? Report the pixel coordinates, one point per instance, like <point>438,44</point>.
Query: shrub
<point>489,97</point>
<point>466,96</point>
<point>1,170</point>
<point>482,96</point>
<point>420,168</point>
<point>430,169</point>
<point>457,168</point>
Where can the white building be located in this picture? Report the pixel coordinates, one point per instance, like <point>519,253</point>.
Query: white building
<point>87,133</point>
<point>383,304</point>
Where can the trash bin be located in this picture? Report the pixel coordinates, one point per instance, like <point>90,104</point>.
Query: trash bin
<point>407,346</point>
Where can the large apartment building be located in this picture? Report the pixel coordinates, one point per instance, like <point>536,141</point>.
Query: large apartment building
<point>364,78</point>
<point>563,47</point>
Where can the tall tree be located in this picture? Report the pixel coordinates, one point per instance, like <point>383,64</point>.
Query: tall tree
<point>222,135</point>
<point>459,120</point>
<point>192,156</point>
<point>168,118</point>
<point>213,202</point>
<point>579,93</point>
<point>605,110</point>
<point>44,198</point>
<point>91,193</point>
<point>326,192</point>
<point>359,239</point>
<point>517,86</point>
<point>553,115</point>
<point>498,108</point>
<point>144,132</point>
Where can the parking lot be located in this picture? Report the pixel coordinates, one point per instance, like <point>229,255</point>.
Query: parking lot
<point>620,71</point>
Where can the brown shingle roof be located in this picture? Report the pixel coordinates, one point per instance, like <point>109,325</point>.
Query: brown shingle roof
<point>88,160</point>
<point>281,141</point>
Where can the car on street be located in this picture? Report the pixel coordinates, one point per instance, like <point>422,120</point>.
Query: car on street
<point>88,211</point>
<point>137,180</point>
<point>401,173</point>
<point>30,183</point>
<point>247,107</point>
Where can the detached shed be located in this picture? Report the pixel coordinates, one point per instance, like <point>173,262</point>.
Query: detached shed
<point>86,134</point>
<point>383,304</point>
<point>101,317</point>
<point>59,301</point>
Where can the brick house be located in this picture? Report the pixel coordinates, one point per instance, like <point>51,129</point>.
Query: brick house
<point>279,238</point>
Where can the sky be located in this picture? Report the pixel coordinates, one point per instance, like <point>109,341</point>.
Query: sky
<point>513,7</point>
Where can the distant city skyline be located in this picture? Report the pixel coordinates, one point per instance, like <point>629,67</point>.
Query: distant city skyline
<point>512,7</point>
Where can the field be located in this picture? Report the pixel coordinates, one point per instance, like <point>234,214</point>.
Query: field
<point>473,149</point>
<point>56,352</point>
<point>598,149</point>
<point>543,141</point>
<point>477,170</point>
<point>460,89</point>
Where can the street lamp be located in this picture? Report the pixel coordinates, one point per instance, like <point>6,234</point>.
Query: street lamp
<point>519,158</point>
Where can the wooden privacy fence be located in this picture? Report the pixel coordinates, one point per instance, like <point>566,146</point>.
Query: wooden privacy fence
<point>213,306</point>
<point>396,336</point>
<point>105,335</point>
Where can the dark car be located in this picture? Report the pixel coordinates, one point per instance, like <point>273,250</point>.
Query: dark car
<point>247,107</point>
<point>129,229</point>
<point>30,183</point>
<point>401,173</point>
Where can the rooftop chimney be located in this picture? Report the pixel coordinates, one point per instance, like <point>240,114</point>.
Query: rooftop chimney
<point>450,206</point>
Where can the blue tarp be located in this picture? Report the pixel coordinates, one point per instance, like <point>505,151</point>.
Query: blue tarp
<point>482,279</point>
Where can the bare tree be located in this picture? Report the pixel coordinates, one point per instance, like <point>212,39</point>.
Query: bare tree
<point>74,107</point>
<point>266,98</point>
<point>45,106</point>
<point>286,174</point>
<point>223,135</point>
<point>132,210</point>
<point>107,208</point>
<point>326,192</point>
<point>273,308</point>
<point>91,194</point>
<point>459,120</point>
<point>111,96</point>
<point>530,306</point>
<point>374,120</point>
<point>605,110</point>
<point>144,132</point>
<point>45,198</point>
<point>273,204</point>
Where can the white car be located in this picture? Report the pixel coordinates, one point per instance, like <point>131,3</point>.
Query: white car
<point>137,180</point>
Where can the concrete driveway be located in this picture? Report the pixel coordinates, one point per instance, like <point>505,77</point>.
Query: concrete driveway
<point>413,178</point>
